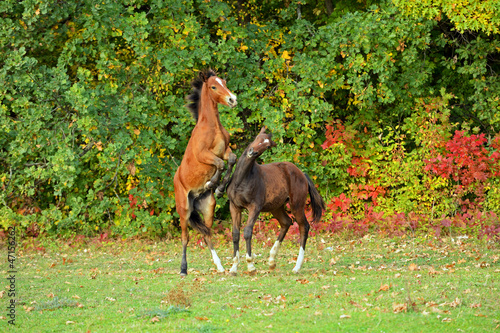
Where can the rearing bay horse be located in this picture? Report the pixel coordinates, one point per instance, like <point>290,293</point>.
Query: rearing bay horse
<point>267,188</point>
<point>203,162</point>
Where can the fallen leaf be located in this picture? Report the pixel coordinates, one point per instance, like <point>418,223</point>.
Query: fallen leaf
<point>155,319</point>
<point>69,322</point>
<point>399,307</point>
<point>413,267</point>
<point>110,299</point>
<point>302,281</point>
<point>344,316</point>
<point>318,313</point>
<point>384,287</point>
<point>76,297</point>
<point>446,320</point>
<point>475,305</point>
<point>455,303</point>
<point>201,318</point>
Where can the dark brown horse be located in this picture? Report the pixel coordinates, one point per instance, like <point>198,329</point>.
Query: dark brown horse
<point>267,188</point>
<point>203,162</point>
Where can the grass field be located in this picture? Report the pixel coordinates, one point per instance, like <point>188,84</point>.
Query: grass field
<point>359,285</point>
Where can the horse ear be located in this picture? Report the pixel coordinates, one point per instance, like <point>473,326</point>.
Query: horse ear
<point>263,130</point>
<point>202,76</point>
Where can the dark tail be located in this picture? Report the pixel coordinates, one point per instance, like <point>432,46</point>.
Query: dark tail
<point>195,220</point>
<point>317,203</point>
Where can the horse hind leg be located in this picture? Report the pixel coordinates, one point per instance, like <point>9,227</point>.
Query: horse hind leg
<point>206,205</point>
<point>183,209</point>
<point>185,241</point>
<point>304,234</point>
<point>285,223</point>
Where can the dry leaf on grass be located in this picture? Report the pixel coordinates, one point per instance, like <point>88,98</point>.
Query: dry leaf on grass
<point>413,267</point>
<point>344,316</point>
<point>399,307</point>
<point>384,287</point>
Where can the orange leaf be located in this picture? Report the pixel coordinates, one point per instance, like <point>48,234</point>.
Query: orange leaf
<point>384,287</point>
<point>399,307</point>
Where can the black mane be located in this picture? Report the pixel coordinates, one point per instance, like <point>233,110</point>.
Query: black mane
<point>193,99</point>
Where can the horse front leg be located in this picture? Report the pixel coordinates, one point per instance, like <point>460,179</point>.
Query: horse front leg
<point>231,161</point>
<point>214,181</point>
<point>236,218</point>
<point>207,157</point>
<point>247,234</point>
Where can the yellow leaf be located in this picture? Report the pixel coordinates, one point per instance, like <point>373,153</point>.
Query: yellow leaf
<point>137,131</point>
<point>285,55</point>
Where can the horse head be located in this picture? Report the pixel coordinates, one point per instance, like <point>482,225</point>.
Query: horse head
<point>217,89</point>
<point>261,143</point>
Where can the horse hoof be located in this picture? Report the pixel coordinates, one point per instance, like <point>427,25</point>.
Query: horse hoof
<point>252,272</point>
<point>233,273</point>
<point>272,266</point>
<point>218,193</point>
<point>183,275</point>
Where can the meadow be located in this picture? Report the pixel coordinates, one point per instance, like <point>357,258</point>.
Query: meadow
<point>369,284</point>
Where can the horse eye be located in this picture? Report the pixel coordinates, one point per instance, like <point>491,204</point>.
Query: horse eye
<point>213,87</point>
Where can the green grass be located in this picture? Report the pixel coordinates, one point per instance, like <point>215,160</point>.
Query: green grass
<point>362,285</point>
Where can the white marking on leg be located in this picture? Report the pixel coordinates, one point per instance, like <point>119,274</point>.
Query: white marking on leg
<point>250,265</point>
<point>217,261</point>
<point>300,260</point>
<point>273,253</point>
<point>236,261</point>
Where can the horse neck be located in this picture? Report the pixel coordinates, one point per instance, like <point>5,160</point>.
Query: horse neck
<point>243,168</point>
<point>208,111</point>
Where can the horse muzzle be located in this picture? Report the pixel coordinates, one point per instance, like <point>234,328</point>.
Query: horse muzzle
<point>252,153</point>
<point>231,101</point>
